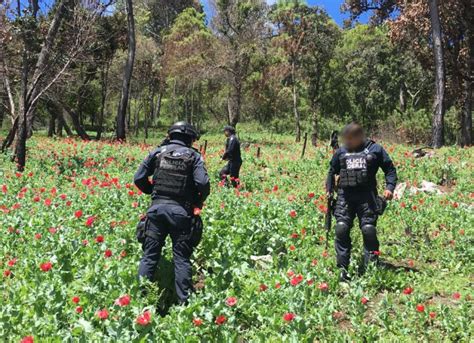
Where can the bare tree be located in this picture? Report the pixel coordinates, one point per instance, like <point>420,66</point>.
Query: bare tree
<point>127,74</point>
<point>50,64</point>
<point>440,74</point>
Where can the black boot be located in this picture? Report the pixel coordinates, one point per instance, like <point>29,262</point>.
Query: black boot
<point>344,276</point>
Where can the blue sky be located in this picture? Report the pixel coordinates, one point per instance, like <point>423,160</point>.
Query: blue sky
<point>333,7</point>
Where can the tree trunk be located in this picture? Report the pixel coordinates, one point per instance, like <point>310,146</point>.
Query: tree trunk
<point>6,81</point>
<point>234,103</point>
<point>314,133</point>
<point>440,81</point>
<point>295,104</point>
<point>31,93</point>
<point>466,112</point>
<point>157,111</point>
<point>75,120</point>
<point>122,109</point>
<point>62,124</point>
<point>104,86</point>
<point>52,124</point>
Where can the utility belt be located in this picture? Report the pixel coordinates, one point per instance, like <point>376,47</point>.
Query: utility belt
<point>194,237</point>
<point>187,205</point>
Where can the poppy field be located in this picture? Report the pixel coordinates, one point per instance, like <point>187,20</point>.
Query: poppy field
<point>69,258</point>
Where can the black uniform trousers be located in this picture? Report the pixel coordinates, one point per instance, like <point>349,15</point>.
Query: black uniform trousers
<point>232,169</point>
<point>175,221</point>
<point>348,206</point>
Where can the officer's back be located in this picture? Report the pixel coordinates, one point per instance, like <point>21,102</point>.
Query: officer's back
<point>180,183</point>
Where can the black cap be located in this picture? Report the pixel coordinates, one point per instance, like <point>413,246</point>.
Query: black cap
<point>229,128</point>
<point>184,128</point>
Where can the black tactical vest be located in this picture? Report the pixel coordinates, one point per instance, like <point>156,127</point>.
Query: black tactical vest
<point>173,176</point>
<point>354,169</point>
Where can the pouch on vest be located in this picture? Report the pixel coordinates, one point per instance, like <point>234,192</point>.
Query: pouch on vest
<point>353,170</point>
<point>173,175</point>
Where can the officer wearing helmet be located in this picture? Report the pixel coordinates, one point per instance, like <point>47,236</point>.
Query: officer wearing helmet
<point>233,157</point>
<point>180,184</point>
<point>356,164</point>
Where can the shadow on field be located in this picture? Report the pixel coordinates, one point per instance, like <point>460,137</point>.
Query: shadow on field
<point>397,267</point>
<point>164,278</point>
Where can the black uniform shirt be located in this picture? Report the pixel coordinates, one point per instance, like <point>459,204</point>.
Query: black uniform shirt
<point>232,149</point>
<point>147,168</point>
<point>382,160</point>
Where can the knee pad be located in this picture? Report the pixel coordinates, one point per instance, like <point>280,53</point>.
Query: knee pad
<point>341,229</point>
<point>369,230</point>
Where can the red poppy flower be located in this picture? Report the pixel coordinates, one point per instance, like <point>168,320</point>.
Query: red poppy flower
<point>420,308</point>
<point>75,299</point>
<point>37,236</point>
<point>292,247</point>
<point>63,196</point>
<point>293,214</point>
<point>290,273</point>
<point>311,195</point>
<point>278,285</point>
<point>408,291</point>
<point>7,273</point>
<point>376,252</point>
<point>294,235</point>
<point>27,339</point>
<point>103,314</point>
<point>364,300</point>
<point>197,211</point>
<point>197,321</point>
<point>124,300</point>
<point>263,287</point>
<point>4,189</point>
<point>289,316</point>
<point>456,295</point>
<point>52,230</point>
<point>12,262</point>
<point>296,280</point>
<point>46,266</point>
<point>108,253</point>
<point>78,214</point>
<point>432,315</point>
<point>90,221</point>
<point>231,301</point>
<point>220,319</point>
<point>36,198</point>
<point>323,286</point>
<point>48,202</point>
<point>99,239</point>
<point>144,319</point>
<point>79,309</point>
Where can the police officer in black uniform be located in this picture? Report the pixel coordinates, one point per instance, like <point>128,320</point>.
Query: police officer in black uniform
<point>180,184</point>
<point>232,155</point>
<point>356,164</point>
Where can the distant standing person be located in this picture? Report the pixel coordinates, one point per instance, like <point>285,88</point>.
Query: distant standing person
<point>233,157</point>
<point>356,163</point>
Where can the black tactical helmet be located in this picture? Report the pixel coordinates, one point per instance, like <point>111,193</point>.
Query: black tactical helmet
<point>229,128</point>
<point>184,128</point>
